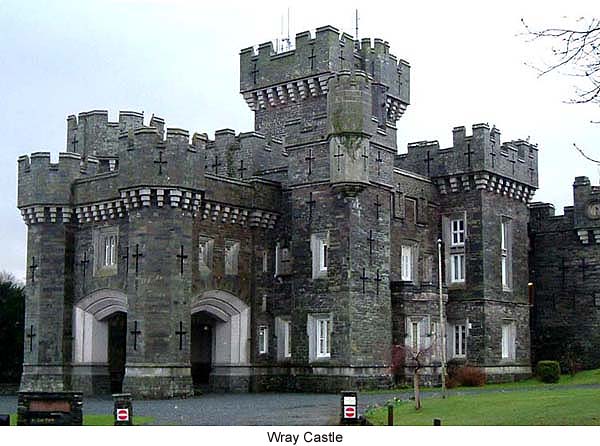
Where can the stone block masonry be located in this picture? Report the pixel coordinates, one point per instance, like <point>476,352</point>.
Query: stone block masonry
<point>300,255</point>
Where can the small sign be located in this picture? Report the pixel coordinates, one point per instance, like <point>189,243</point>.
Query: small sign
<point>349,412</point>
<point>122,414</point>
<point>349,401</point>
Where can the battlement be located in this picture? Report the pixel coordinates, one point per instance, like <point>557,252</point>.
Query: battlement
<point>583,217</point>
<point>91,133</point>
<point>244,155</point>
<point>269,79</point>
<point>41,181</point>
<point>481,151</point>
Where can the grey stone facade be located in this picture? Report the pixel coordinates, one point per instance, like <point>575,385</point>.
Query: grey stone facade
<point>289,258</point>
<point>565,270</point>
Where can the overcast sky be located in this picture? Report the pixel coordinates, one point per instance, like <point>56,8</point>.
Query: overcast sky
<point>179,60</point>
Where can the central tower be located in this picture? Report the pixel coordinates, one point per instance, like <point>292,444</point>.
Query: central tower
<point>334,102</point>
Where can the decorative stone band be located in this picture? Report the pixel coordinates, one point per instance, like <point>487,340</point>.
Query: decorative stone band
<point>395,108</point>
<point>158,196</point>
<point>146,197</point>
<point>219,212</point>
<point>584,236</point>
<point>485,181</point>
<point>293,91</point>
<point>46,214</point>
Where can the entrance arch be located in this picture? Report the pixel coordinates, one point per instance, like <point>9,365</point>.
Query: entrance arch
<point>99,328</point>
<point>221,336</point>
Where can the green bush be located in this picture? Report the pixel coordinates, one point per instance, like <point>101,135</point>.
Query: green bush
<point>548,371</point>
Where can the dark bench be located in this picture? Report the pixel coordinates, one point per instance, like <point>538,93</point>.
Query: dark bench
<point>49,409</point>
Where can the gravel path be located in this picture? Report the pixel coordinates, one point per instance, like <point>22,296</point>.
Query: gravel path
<point>254,409</point>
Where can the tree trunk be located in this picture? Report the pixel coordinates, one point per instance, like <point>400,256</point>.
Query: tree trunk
<point>417,390</point>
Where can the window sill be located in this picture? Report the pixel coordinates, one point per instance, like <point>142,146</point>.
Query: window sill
<point>106,271</point>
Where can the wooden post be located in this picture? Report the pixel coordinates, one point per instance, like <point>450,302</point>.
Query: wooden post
<point>391,415</point>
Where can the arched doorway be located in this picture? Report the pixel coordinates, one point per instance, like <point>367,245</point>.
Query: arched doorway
<point>220,339</point>
<point>99,344</point>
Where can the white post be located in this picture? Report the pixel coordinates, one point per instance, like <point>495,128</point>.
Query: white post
<point>442,319</point>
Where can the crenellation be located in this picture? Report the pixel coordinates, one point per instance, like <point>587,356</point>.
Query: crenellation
<point>514,162</point>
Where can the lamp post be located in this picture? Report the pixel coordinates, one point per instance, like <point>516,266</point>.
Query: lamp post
<point>442,319</point>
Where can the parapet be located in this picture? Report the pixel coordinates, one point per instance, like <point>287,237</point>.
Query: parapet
<point>91,133</point>
<point>482,151</point>
<point>271,79</point>
<point>41,182</point>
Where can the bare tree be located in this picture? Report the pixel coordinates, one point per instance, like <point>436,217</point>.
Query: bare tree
<point>575,51</point>
<point>414,359</point>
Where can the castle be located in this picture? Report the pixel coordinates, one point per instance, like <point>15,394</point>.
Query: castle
<point>296,256</point>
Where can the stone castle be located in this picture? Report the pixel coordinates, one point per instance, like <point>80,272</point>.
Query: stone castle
<point>296,256</point>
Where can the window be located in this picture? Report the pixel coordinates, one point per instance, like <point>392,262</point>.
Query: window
<point>406,263</point>
<point>460,340</point>
<point>323,255</point>
<point>457,265</point>
<point>428,269</point>
<point>106,241</point>
<point>505,252</point>
<point>319,336</point>
<point>109,243</point>
<point>282,260</point>
<point>458,232</point>
<point>265,261</point>
<point>415,340</point>
<point>283,328</point>
<point>263,339</point>
<point>205,253</point>
<point>232,252</point>
<point>455,235</point>
<point>508,340</point>
<point>323,338</point>
<point>320,254</point>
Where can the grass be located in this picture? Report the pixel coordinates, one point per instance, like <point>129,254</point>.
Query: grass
<point>583,377</point>
<point>541,407</point>
<point>99,420</point>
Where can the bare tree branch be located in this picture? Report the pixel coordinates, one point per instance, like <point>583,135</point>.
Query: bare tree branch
<point>585,155</point>
<point>575,52</point>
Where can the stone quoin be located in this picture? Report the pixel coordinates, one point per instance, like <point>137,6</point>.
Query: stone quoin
<point>296,256</point>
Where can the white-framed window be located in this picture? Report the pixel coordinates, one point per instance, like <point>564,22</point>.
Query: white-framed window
<point>406,263</point>
<point>509,332</point>
<point>109,243</point>
<point>263,339</point>
<point>283,328</point>
<point>415,337</point>
<point>323,338</point>
<point>457,229</point>
<point>457,268</point>
<point>283,260</point>
<point>232,253</point>
<point>505,253</point>
<point>323,255</point>
<point>265,262</point>
<point>205,253</point>
<point>106,242</point>
<point>277,259</point>
<point>319,336</point>
<point>459,340</point>
<point>320,254</point>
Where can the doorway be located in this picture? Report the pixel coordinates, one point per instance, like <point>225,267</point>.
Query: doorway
<point>117,337</point>
<point>201,357</point>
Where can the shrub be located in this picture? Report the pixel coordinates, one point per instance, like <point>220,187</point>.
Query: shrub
<point>548,371</point>
<point>468,376</point>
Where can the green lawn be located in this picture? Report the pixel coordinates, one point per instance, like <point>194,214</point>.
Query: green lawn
<point>98,420</point>
<point>535,407</point>
<point>584,377</point>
